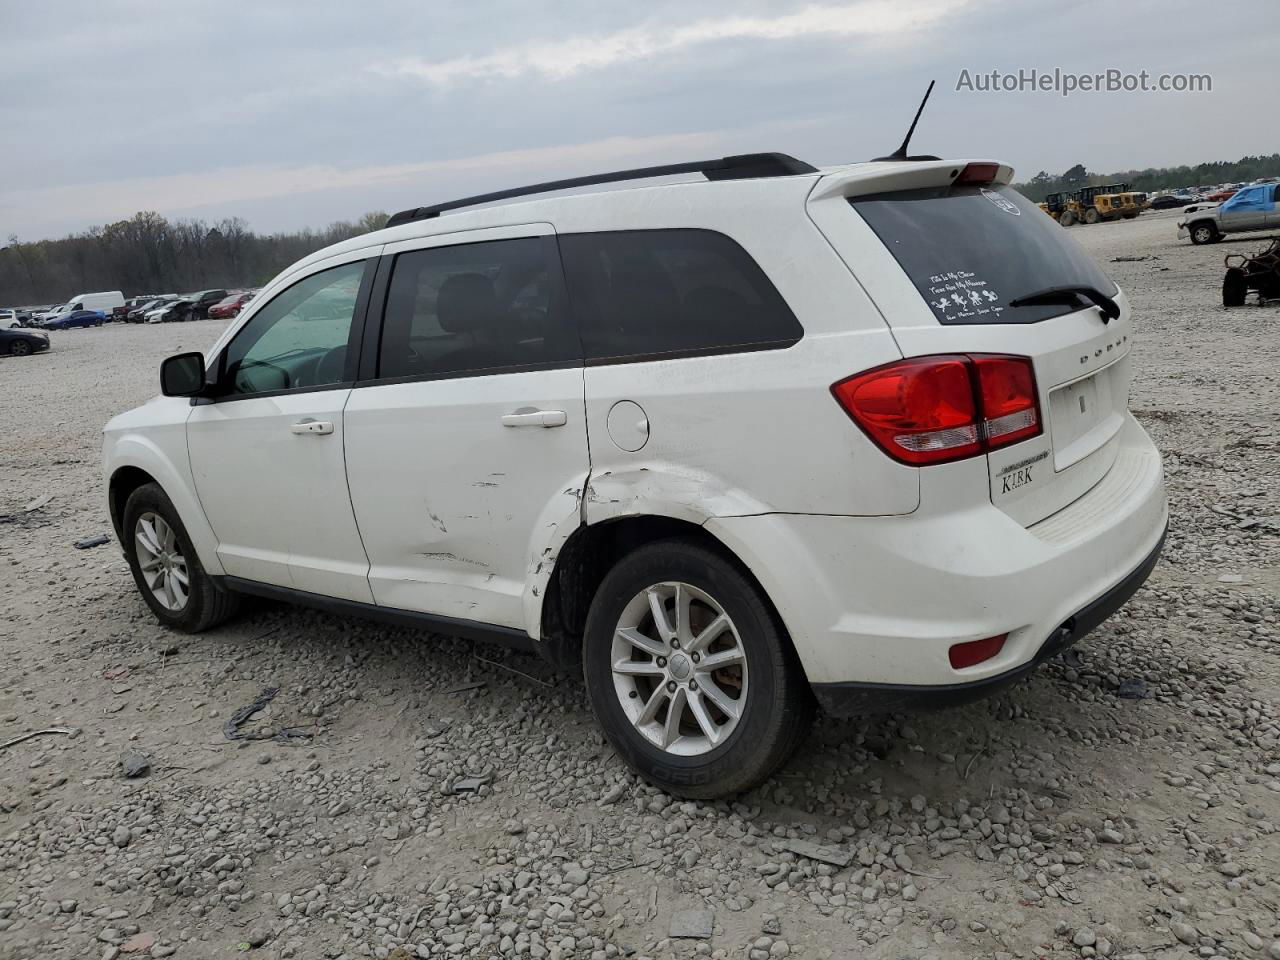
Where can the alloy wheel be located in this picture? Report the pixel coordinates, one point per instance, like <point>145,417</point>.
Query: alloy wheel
<point>679,668</point>
<point>164,569</point>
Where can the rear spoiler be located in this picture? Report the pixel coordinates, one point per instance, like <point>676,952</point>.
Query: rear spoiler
<point>867,178</point>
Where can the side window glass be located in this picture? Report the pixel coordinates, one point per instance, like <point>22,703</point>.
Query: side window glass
<point>639,293</point>
<point>473,308</point>
<point>299,339</point>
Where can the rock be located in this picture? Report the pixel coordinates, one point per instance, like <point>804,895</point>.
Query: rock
<point>1110,835</point>
<point>1135,688</point>
<point>692,924</point>
<point>139,943</point>
<point>1273,951</point>
<point>770,925</point>
<point>1185,933</point>
<point>1084,937</point>
<point>815,851</point>
<point>257,936</point>
<point>1229,869</point>
<point>121,836</point>
<point>134,765</point>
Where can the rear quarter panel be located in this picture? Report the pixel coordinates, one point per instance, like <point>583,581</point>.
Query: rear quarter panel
<point>747,432</point>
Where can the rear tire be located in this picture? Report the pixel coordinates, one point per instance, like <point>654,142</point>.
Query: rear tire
<point>159,569</point>
<point>1091,216</point>
<point>755,733</point>
<point>1235,288</point>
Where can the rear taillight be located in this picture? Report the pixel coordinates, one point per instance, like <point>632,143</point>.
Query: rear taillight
<point>928,410</point>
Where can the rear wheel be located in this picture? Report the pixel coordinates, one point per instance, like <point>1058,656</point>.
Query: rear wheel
<point>690,673</point>
<point>20,348</point>
<point>1203,233</point>
<point>165,565</point>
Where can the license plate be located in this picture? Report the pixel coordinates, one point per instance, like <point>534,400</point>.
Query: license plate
<point>1077,413</point>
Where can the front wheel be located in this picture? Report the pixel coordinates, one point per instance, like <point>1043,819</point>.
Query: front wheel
<point>691,674</point>
<point>166,568</point>
<point>1203,233</point>
<point>19,348</point>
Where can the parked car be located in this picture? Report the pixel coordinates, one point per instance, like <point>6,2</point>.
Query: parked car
<point>9,318</point>
<point>17,342</point>
<point>170,312</point>
<point>230,305</point>
<point>77,318</point>
<point>1250,208</point>
<point>101,302</point>
<point>1170,201</point>
<point>122,312</point>
<point>202,301</point>
<point>1217,196</point>
<point>138,314</point>
<point>725,448</point>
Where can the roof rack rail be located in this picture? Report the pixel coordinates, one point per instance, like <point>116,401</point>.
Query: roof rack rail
<point>741,167</point>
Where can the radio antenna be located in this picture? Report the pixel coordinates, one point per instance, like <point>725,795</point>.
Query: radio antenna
<point>901,152</point>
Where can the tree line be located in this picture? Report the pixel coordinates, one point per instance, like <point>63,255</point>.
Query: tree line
<point>1155,179</point>
<point>149,254</point>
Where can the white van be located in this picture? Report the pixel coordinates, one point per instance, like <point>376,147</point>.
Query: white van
<point>106,302</point>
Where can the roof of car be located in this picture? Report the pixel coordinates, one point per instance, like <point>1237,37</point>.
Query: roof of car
<point>525,205</point>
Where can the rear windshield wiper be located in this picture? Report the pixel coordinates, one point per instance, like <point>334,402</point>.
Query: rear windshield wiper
<point>1071,294</point>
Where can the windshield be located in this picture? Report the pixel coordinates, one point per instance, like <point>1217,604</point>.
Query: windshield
<point>970,250</point>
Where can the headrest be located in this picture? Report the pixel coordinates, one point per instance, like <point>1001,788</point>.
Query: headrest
<point>466,302</point>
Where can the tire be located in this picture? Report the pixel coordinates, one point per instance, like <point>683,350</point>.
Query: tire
<point>206,605</point>
<point>774,706</point>
<point>1235,288</point>
<point>1067,218</point>
<point>19,348</point>
<point>1202,233</point>
<point>1091,216</point>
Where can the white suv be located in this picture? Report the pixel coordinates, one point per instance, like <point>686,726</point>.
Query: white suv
<point>856,436</point>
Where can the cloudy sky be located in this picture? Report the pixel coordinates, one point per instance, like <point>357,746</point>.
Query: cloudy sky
<point>296,114</point>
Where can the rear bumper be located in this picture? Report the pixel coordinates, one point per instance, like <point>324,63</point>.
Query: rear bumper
<point>876,603</point>
<point>852,698</point>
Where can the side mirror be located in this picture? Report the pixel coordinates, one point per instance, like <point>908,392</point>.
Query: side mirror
<point>182,375</point>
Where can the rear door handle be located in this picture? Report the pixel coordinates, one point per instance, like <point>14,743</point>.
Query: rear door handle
<point>320,427</point>
<point>529,417</point>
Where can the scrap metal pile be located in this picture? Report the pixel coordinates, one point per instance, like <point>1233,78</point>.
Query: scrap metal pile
<point>1258,274</point>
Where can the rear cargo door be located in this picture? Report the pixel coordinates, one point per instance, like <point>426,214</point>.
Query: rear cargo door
<point>946,264</point>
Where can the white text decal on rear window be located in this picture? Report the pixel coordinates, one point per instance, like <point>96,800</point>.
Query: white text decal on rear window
<point>962,295</point>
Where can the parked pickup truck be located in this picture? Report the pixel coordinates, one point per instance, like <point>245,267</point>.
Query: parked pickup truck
<point>1256,207</point>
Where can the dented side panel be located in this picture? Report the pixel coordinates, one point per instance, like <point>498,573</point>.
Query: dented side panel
<point>461,515</point>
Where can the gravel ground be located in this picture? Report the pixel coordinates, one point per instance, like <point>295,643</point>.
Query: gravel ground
<point>456,800</point>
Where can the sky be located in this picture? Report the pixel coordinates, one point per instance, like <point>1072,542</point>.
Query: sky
<point>297,114</point>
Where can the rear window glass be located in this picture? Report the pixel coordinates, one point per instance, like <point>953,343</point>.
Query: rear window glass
<point>645,293</point>
<point>970,250</point>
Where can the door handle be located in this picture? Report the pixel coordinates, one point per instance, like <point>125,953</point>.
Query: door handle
<point>529,417</point>
<point>320,427</point>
